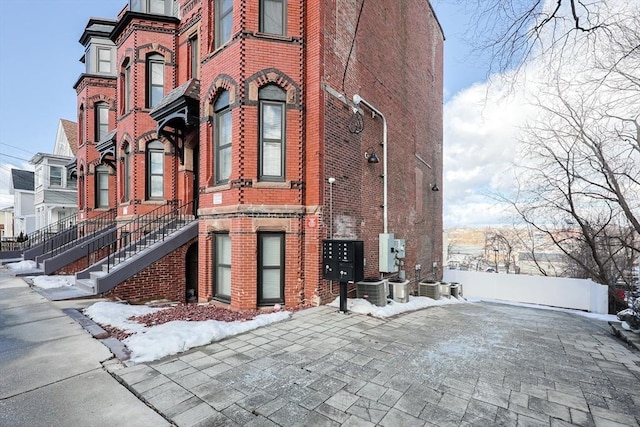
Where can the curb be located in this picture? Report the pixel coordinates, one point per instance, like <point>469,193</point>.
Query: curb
<point>117,348</point>
<point>629,337</point>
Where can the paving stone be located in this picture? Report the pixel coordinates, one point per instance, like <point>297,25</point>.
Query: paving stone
<point>478,412</point>
<point>328,385</point>
<point>354,421</point>
<point>146,385</point>
<point>440,416</point>
<point>169,397</point>
<point>396,417</point>
<point>270,407</point>
<point>342,400</point>
<point>195,415</point>
<point>580,418</point>
<point>368,410</point>
<point>181,407</point>
<point>332,413</point>
<point>137,375</point>
<point>238,414</point>
<point>290,414</point>
<point>372,391</point>
<point>601,414</point>
<point>192,380</point>
<point>576,402</point>
<point>316,419</point>
<point>171,367</point>
<point>552,409</point>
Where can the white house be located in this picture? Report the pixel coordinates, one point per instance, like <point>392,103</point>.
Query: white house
<point>22,189</point>
<point>55,192</point>
<point>6,223</point>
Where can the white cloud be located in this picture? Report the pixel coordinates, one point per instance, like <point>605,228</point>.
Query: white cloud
<point>482,123</point>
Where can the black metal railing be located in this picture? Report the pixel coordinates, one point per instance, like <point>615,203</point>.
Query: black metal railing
<point>141,232</point>
<point>85,230</point>
<point>40,236</point>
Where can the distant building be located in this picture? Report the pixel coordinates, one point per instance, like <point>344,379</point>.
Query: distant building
<point>6,223</point>
<point>56,192</point>
<point>22,189</point>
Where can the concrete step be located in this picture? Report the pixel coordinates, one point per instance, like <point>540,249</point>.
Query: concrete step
<point>96,274</point>
<point>88,285</point>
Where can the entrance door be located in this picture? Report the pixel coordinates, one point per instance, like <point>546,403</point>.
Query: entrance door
<point>191,278</point>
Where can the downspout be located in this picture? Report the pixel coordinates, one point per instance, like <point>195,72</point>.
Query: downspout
<point>357,99</point>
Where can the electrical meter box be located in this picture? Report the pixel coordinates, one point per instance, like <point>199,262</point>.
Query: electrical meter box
<point>399,245</point>
<point>343,260</point>
<point>390,251</point>
<point>386,253</point>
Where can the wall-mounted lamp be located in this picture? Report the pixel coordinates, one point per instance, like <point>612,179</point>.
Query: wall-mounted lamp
<point>435,187</point>
<point>371,156</point>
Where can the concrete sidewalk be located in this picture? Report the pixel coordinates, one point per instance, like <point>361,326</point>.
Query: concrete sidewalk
<point>51,370</point>
<point>467,364</point>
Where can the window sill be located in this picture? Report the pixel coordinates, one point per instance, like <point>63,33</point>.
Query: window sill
<point>286,185</point>
<point>276,37</point>
<point>218,187</point>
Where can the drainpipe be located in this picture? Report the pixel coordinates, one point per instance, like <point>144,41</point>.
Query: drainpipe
<point>357,99</point>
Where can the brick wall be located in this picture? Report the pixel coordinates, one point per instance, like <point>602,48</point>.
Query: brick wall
<point>164,279</point>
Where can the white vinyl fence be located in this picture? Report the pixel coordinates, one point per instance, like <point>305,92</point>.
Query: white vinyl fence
<point>579,294</point>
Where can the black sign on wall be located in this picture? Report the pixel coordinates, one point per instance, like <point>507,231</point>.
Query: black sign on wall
<point>343,260</point>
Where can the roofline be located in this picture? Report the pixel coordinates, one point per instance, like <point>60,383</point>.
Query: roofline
<point>437,20</point>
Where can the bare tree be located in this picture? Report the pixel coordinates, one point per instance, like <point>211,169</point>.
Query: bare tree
<point>514,31</point>
<point>579,176</point>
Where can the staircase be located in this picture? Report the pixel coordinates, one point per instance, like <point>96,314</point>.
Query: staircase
<point>78,242</point>
<point>137,244</point>
<point>38,241</point>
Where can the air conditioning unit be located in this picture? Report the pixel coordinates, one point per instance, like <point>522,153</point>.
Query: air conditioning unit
<point>455,290</point>
<point>399,290</point>
<point>445,290</point>
<point>429,289</point>
<point>373,290</point>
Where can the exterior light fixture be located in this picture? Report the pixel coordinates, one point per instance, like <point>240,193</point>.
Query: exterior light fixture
<point>371,156</point>
<point>435,187</point>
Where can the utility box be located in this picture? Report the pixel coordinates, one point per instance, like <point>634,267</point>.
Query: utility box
<point>343,260</point>
<point>386,253</point>
<point>390,251</point>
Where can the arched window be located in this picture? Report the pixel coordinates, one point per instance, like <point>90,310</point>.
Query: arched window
<point>101,120</point>
<point>126,173</point>
<point>222,138</point>
<point>155,170</point>
<point>155,79</point>
<point>272,133</point>
<point>102,187</point>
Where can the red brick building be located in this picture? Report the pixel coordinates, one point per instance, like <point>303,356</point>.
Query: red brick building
<point>242,111</point>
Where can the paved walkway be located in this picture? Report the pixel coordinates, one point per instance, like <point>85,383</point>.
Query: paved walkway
<point>468,364</point>
<point>51,370</point>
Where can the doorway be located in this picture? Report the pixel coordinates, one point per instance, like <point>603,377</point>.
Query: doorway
<point>191,279</point>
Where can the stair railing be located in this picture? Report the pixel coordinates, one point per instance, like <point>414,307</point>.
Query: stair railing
<point>137,234</point>
<point>88,229</point>
<point>41,235</point>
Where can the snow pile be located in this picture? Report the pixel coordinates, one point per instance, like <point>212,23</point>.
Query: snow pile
<point>362,306</point>
<point>155,342</point>
<point>22,265</point>
<point>51,282</point>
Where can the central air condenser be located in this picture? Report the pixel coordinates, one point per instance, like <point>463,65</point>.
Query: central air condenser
<point>429,289</point>
<point>373,290</point>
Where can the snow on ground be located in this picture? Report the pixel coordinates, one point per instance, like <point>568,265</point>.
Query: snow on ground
<point>51,282</point>
<point>596,316</point>
<point>22,265</point>
<point>155,342</point>
<point>362,306</point>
